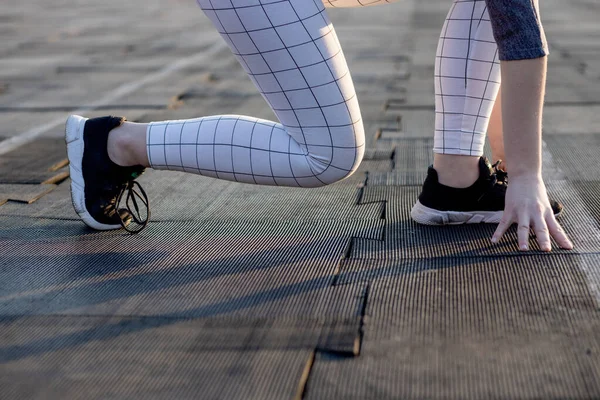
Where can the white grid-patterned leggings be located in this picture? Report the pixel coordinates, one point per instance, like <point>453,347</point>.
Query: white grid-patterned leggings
<point>290,51</point>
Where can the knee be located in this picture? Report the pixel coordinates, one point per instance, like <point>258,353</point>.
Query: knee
<point>338,162</point>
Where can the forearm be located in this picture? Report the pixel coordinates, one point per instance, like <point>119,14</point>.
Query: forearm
<point>495,133</point>
<point>523,88</point>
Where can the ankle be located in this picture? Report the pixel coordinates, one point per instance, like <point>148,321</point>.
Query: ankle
<point>456,171</point>
<point>117,145</point>
<point>124,143</point>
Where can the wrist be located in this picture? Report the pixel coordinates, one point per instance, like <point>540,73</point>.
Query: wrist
<point>525,175</point>
<point>527,166</point>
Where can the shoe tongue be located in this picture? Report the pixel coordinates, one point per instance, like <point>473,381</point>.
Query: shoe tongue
<point>485,168</point>
<point>135,171</point>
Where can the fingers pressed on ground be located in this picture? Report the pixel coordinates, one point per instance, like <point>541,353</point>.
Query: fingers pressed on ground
<point>523,231</point>
<point>503,226</point>
<point>557,232</point>
<point>542,234</point>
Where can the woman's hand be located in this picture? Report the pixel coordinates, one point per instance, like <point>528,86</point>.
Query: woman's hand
<point>527,204</point>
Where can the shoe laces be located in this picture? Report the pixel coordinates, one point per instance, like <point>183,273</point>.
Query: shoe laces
<point>501,175</point>
<point>498,180</point>
<point>130,193</point>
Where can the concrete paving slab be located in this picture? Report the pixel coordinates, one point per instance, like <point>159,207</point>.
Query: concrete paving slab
<point>538,326</point>
<point>588,191</point>
<point>570,154</point>
<point>55,204</point>
<point>29,178</point>
<point>530,367</point>
<point>572,120</point>
<point>415,123</point>
<point>21,335</point>
<point>380,154</point>
<point>367,167</point>
<point>336,202</point>
<point>411,159</point>
<point>567,83</point>
<point>404,238</point>
<point>14,124</point>
<point>173,270</point>
<point>120,277</point>
<point>92,371</point>
<point>39,162</point>
<point>544,294</point>
<point>176,196</point>
<point>23,193</point>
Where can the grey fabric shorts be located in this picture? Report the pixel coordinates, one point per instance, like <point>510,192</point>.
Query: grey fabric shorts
<point>517,29</point>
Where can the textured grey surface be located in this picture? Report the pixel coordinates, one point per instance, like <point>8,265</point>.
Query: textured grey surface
<point>527,367</point>
<point>589,193</point>
<point>157,369</point>
<point>24,193</point>
<point>536,294</point>
<point>183,272</point>
<point>175,196</point>
<point>335,202</point>
<point>56,204</point>
<point>243,292</point>
<point>37,162</point>
<point>471,328</point>
<point>412,158</point>
<point>403,238</point>
<point>575,155</point>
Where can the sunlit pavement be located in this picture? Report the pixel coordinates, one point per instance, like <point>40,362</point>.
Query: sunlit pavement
<point>239,291</point>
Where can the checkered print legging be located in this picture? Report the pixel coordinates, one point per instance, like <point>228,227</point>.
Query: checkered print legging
<point>290,51</point>
<point>467,79</point>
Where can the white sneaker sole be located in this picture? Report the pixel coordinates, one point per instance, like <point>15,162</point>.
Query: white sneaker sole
<point>75,145</point>
<point>429,216</point>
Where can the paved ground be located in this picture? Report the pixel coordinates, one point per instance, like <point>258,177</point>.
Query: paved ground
<point>237,291</point>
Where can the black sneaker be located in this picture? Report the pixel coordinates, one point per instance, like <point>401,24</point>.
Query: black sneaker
<point>97,183</point>
<point>482,202</point>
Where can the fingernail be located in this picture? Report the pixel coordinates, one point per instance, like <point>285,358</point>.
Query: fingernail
<point>494,240</point>
<point>524,247</point>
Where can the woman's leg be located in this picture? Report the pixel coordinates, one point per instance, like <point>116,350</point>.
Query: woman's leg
<point>460,187</point>
<point>291,52</point>
<point>127,142</point>
<point>467,79</point>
